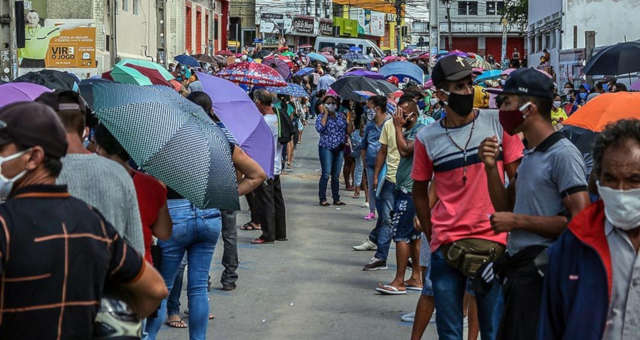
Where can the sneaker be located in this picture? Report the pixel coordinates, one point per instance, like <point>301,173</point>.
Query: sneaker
<point>375,264</point>
<point>367,245</point>
<point>370,217</point>
<point>409,317</point>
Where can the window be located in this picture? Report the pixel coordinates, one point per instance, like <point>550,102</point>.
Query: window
<point>125,5</point>
<point>491,8</point>
<point>136,7</point>
<point>467,8</point>
<point>500,7</point>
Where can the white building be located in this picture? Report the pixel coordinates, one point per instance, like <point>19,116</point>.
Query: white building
<point>559,27</point>
<point>297,21</point>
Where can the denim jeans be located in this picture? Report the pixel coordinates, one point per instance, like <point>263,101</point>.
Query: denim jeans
<point>331,163</point>
<point>383,233</point>
<point>448,288</point>
<point>195,231</point>
<point>173,302</point>
<point>357,173</point>
<point>372,191</point>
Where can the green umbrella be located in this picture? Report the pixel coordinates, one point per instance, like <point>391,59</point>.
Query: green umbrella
<point>127,75</point>
<point>149,64</point>
<point>288,54</point>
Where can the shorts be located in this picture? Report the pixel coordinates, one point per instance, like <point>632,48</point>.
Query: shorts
<point>402,218</point>
<point>425,261</point>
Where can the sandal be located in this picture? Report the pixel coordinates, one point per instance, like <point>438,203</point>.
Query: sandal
<point>324,204</point>
<point>248,226</point>
<point>356,196</point>
<point>179,323</point>
<point>339,203</point>
<point>211,317</point>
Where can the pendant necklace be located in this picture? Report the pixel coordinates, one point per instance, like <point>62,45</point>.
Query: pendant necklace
<point>463,150</point>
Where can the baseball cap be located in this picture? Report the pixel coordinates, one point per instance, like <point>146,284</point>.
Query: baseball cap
<point>529,82</point>
<point>30,124</point>
<point>450,68</point>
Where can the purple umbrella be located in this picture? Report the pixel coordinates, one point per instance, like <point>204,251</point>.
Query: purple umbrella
<point>364,73</point>
<point>18,92</point>
<point>241,116</point>
<point>635,86</point>
<point>279,65</point>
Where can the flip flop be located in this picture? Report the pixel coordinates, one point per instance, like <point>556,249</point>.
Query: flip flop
<point>324,204</point>
<point>247,226</point>
<point>176,323</point>
<point>416,288</point>
<point>390,290</point>
<point>339,203</point>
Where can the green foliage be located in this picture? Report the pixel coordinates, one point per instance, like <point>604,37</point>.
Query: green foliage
<point>516,12</point>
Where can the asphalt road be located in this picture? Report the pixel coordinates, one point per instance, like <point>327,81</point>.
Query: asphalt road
<point>312,286</point>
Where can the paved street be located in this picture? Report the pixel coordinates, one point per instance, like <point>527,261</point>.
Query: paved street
<point>313,286</point>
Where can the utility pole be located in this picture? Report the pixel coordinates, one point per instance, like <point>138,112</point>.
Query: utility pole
<point>589,45</point>
<point>399,4</point>
<point>114,34</point>
<point>448,3</point>
<point>13,47</point>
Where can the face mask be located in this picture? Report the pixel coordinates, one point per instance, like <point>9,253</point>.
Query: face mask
<point>566,90</point>
<point>433,101</point>
<point>502,82</point>
<point>370,113</point>
<point>6,184</point>
<point>511,119</point>
<point>330,107</point>
<point>462,104</point>
<point>621,207</point>
<point>557,104</point>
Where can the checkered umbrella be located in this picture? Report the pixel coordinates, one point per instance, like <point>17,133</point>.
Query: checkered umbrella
<point>291,89</point>
<point>170,138</point>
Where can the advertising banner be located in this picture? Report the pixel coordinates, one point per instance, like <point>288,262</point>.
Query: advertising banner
<point>326,27</point>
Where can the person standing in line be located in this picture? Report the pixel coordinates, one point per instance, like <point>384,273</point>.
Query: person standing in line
<point>268,196</point>
<point>458,227</point>
<point>594,266</point>
<point>94,179</point>
<point>58,254</point>
<point>331,124</point>
<point>406,237</point>
<point>549,190</point>
<point>377,117</point>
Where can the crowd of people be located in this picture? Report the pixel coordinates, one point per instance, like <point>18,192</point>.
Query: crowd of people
<point>496,214</point>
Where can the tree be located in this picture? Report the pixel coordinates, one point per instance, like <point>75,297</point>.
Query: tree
<point>516,12</point>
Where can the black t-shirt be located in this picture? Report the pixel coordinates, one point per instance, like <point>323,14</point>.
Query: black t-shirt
<point>57,256</point>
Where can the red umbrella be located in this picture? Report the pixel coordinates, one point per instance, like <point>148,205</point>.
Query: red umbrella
<point>283,48</point>
<point>329,57</point>
<point>252,73</point>
<point>153,75</point>
<point>225,53</point>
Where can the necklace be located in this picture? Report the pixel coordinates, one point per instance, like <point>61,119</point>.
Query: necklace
<point>463,150</point>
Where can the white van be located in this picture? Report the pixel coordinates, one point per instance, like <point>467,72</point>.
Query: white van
<point>340,45</point>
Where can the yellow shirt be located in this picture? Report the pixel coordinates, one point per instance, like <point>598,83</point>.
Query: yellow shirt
<point>558,115</point>
<point>388,138</point>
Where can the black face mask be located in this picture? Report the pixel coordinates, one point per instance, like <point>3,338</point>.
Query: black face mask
<point>461,104</point>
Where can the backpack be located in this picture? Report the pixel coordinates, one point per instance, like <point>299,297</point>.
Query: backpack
<point>285,127</point>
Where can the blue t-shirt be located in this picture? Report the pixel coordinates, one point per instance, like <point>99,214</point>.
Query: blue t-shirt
<point>371,142</point>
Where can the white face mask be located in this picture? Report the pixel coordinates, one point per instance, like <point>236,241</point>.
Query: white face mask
<point>330,107</point>
<point>621,207</point>
<point>557,104</point>
<point>370,113</point>
<point>6,184</point>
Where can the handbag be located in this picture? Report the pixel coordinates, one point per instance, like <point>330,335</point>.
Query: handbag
<point>468,255</point>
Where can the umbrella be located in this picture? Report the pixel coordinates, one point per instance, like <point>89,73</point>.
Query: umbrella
<point>175,84</point>
<point>488,75</point>
<point>278,65</point>
<point>305,46</point>
<point>507,71</point>
<point>317,57</point>
<point>171,138</point>
<point>614,60</point>
<point>355,49</point>
<point>364,73</point>
<point>204,58</point>
<point>583,139</point>
<point>126,75</point>
<point>326,49</point>
<point>403,69</point>
<point>604,109</point>
<point>252,74</point>
<point>19,92</point>
<point>288,54</point>
<point>149,64</point>
<point>304,71</point>
<point>154,76</point>
<point>55,80</point>
<point>225,53</point>
<point>635,86</point>
<point>187,60</point>
<point>329,57</point>
<point>291,89</point>
<point>346,86</point>
<point>241,116</point>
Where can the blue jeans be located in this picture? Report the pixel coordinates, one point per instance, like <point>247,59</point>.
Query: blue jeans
<point>173,302</point>
<point>383,232</point>
<point>331,163</point>
<point>195,231</point>
<point>372,191</point>
<point>357,173</point>
<point>448,288</point>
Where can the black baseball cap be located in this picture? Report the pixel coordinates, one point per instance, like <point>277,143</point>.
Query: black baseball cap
<point>450,68</point>
<point>529,82</point>
<point>29,124</point>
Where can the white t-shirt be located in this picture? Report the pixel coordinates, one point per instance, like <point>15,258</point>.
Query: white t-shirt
<point>272,121</point>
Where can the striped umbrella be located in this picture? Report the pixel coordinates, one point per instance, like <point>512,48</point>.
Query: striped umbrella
<point>149,64</point>
<point>252,74</point>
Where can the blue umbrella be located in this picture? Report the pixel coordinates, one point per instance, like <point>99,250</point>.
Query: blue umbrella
<point>487,75</point>
<point>171,138</point>
<point>304,71</point>
<point>318,57</point>
<point>355,49</point>
<point>187,60</point>
<point>403,69</point>
<point>291,89</point>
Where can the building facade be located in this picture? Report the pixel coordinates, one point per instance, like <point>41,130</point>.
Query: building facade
<point>476,26</point>
<point>373,20</point>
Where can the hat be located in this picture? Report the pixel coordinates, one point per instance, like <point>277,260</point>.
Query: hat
<point>450,68</point>
<point>529,82</point>
<point>30,124</point>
